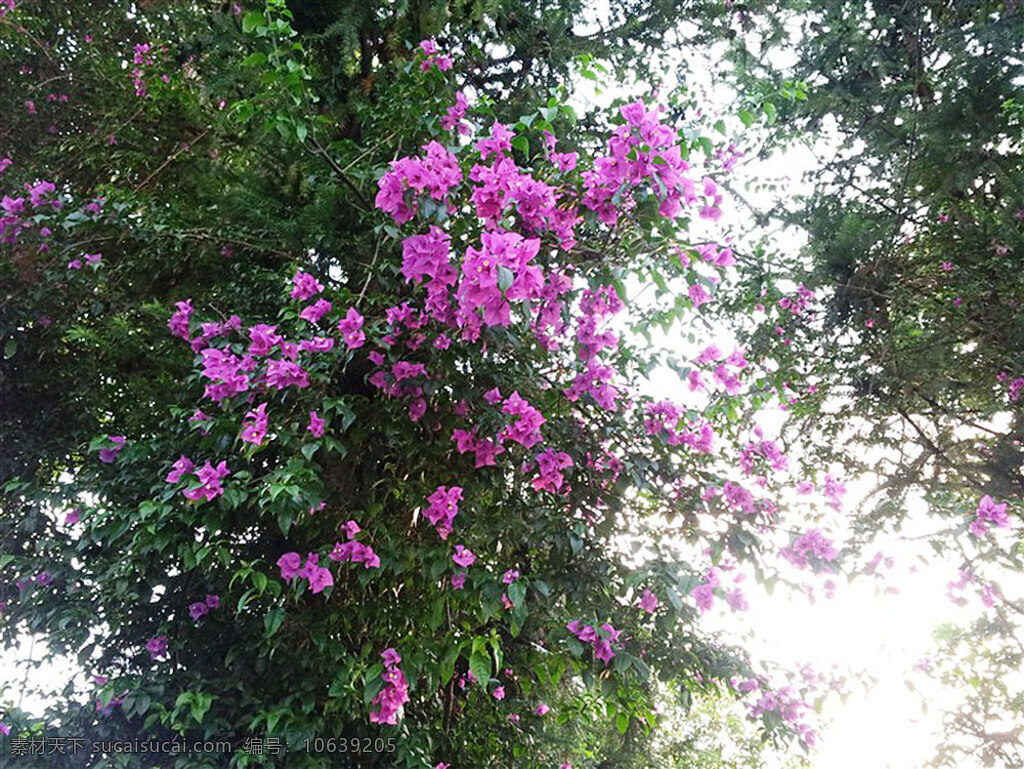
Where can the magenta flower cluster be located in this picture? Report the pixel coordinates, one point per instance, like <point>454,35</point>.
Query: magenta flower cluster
<point>601,639</point>
<point>291,567</point>
<point>395,693</point>
<point>353,550</point>
<point>200,609</point>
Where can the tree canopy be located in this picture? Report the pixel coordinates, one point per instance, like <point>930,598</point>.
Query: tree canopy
<point>330,333</point>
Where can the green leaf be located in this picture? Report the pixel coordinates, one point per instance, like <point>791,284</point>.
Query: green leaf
<point>622,722</point>
<point>257,59</point>
<point>200,705</point>
<point>284,521</point>
<point>251,21</point>
<point>522,144</point>
<point>273,619</point>
<point>769,111</point>
<point>480,661</point>
<point>10,348</point>
<point>516,593</point>
<point>747,117</point>
<point>505,277</point>
<point>447,666</point>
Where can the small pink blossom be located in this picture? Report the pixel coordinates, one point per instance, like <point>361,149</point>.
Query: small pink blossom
<point>648,601</point>
<point>316,424</point>
<point>463,556</point>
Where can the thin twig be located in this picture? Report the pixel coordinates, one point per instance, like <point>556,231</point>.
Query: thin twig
<point>341,173</point>
<point>369,273</point>
<point>184,148</point>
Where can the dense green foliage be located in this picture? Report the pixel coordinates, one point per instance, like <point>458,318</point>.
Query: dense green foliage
<point>208,154</point>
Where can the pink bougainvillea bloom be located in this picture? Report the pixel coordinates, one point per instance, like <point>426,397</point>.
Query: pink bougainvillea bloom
<point>499,693</point>
<point>870,323</point>
<point>444,506</point>
<point>736,600</point>
<point>356,552</point>
<point>704,595</point>
<point>30,107</point>
<point>390,699</point>
<point>698,295</point>
<point>178,324</point>
<point>263,339</point>
<point>455,113</point>
<point>254,430</point>
<point>648,601</point>
<point>179,469</point>
<point>749,685</point>
<point>526,429</point>
<point>109,455</point>
<point>603,650</point>
<point>459,580</point>
<point>510,576</point>
<point>72,517</point>
<point>351,329</point>
<point>350,529</point>
<point>5,729</point>
<point>75,264</point>
<point>316,424</point>
<point>290,565</point>
<point>305,286</point>
<point>314,312</point>
<point>542,710</point>
<point>442,765</point>
<point>212,601</point>
<point>283,373</point>
<point>417,408</point>
<point>463,556</point>
<point>1015,389</point>
<point>197,610</point>
<point>93,259</point>
<point>157,647</point>
<point>811,542</point>
<point>320,578</point>
<point>989,512</point>
<point>550,465</point>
